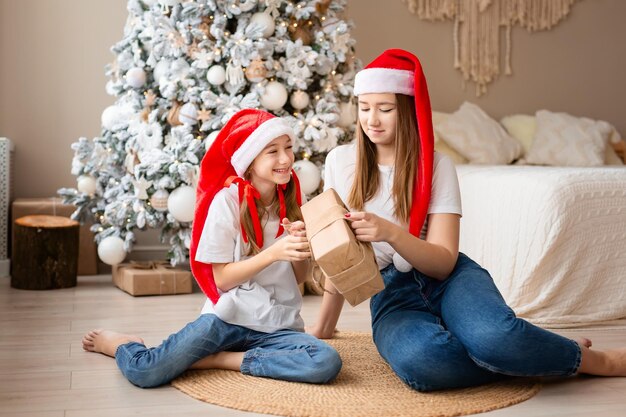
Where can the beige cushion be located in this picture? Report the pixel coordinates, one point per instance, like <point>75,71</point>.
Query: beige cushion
<point>440,145</point>
<point>521,127</point>
<point>564,140</point>
<point>477,137</point>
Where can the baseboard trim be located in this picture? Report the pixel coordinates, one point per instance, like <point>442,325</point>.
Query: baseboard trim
<point>5,267</point>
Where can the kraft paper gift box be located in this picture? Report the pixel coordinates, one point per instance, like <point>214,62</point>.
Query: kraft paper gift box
<point>350,265</point>
<point>151,278</point>
<point>87,252</point>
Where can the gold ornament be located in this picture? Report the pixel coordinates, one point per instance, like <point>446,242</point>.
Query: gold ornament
<point>203,115</point>
<point>150,98</point>
<point>322,6</point>
<point>205,27</point>
<point>192,49</point>
<point>172,115</point>
<point>256,71</point>
<point>300,29</point>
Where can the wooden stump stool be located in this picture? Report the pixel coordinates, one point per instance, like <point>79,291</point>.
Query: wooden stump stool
<point>45,254</point>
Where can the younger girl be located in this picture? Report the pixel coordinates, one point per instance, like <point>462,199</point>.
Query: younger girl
<point>249,271</point>
<point>440,322</point>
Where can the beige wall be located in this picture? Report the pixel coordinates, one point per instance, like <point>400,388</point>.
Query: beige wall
<point>52,83</point>
<point>578,67</point>
<point>53,53</point>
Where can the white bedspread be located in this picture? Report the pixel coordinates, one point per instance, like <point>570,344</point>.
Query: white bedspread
<point>554,239</point>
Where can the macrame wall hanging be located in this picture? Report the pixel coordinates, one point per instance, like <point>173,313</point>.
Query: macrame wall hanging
<point>477,26</point>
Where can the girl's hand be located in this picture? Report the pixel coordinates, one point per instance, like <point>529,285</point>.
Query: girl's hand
<point>319,333</point>
<point>290,248</point>
<point>294,229</point>
<point>368,227</point>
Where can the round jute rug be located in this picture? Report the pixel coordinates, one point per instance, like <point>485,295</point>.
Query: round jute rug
<point>366,386</point>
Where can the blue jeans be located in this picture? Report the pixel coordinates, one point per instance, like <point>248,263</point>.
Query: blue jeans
<point>459,332</point>
<point>286,354</point>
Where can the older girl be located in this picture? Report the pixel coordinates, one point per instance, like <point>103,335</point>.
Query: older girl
<point>440,322</point>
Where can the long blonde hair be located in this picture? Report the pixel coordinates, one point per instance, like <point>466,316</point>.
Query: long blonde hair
<point>367,180</point>
<point>293,213</point>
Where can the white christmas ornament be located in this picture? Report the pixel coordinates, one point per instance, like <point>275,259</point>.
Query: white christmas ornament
<point>299,100</point>
<point>158,201</point>
<point>169,2</point>
<point>161,69</point>
<point>136,77</point>
<point>86,184</point>
<point>347,115</point>
<point>110,116</point>
<point>111,250</point>
<point>182,203</point>
<point>210,139</point>
<point>188,114</point>
<point>275,96</point>
<point>216,75</point>
<point>309,175</point>
<point>265,21</point>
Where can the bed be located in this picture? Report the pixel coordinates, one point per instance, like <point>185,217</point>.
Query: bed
<point>553,238</point>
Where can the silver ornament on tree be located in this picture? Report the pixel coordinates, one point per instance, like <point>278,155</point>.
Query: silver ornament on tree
<point>161,69</point>
<point>299,100</point>
<point>136,77</point>
<point>309,175</point>
<point>216,75</point>
<point>274,96</point>
<point>188,114</point>
<point>182,203</point>
<point>265,21</point>
<point>111,250</point>
<point>158,200</point>
<point>86,184</point>
<point>114,116</point>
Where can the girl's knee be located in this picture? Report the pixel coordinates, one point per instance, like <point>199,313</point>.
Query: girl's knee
<point>144,378</point>
<point>143,372</point>
<point>497,345</point>
<point>325,366</point>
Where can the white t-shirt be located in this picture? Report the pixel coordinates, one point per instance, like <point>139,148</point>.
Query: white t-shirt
<point>445,195</point>
<point>271,300</point>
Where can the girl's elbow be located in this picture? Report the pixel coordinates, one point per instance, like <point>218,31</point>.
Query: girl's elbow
<point>447,266</point>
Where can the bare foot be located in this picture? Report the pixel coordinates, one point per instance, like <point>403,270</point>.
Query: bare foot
<point>603,363</point>
<point>583,341</point>
<point>106,341</point>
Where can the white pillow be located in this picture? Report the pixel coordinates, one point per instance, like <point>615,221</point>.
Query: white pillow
<point>564,140</point>
<point>477,137</point>
<point>522,127</point>
<point>440,145</point>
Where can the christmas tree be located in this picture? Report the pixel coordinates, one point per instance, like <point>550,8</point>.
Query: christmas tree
<point>183,68</point>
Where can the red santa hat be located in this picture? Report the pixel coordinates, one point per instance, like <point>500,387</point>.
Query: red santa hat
<point>241,140</point>
<point>398,71</point>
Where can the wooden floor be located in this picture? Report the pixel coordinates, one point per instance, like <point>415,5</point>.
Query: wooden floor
<point>45,372</point>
